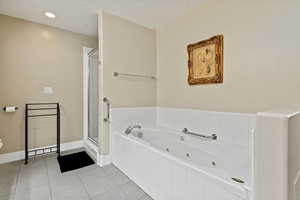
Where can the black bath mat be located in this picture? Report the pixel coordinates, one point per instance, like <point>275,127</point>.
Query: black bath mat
<point>74,161</point>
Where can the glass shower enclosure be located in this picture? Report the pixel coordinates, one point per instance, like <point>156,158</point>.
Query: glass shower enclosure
<point>93,95</point>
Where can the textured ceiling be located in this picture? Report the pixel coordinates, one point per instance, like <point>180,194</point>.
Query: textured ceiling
<point>81,15</point>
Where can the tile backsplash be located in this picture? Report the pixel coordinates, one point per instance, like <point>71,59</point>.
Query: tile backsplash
<point>230,127</point>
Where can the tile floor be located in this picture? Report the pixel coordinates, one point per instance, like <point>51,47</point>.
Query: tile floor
<point>41,180</point>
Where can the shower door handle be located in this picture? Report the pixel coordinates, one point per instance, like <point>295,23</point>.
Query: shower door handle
<point>107,118</point>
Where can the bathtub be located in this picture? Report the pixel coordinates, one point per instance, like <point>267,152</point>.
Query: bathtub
<point>170,165</point>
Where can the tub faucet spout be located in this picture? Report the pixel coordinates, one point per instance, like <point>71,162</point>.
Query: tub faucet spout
<point>130,129</point>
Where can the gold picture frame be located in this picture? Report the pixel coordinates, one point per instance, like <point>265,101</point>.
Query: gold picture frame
<point>205,61</point>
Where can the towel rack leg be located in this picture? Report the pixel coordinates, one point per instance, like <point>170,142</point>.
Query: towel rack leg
<point>58,129</point>
<point>26,134</point>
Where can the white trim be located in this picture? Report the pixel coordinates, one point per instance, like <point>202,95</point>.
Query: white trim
<point>85,70</point>
<point>9,157</point>
<point>71,145</point>
<point>20,155</point>
<point>101,107</point>
<point>273,115</point>
<point>278,115</point>
<point>104,160</point>
<point>208,111</point>
<point>288,112</point>
<point>91,148</point>
<point>252,194</point>
<point>293,114</point>
<point>294,185</point>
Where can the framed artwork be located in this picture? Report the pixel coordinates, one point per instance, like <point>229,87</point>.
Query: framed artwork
<point>205,61</point>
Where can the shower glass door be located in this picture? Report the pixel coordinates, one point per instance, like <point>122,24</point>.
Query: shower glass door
<point>93,96</point>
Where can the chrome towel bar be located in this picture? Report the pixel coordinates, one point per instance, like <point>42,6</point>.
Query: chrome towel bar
<point>134,75</point>
<point>210,137</point>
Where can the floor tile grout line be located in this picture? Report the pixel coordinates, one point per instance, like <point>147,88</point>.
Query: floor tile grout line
<point>116,186</point>
<point>50,189</point>
<point>112,177</point>
<point>86,190</point>
<point>119,187</point>
<point>17,181</point>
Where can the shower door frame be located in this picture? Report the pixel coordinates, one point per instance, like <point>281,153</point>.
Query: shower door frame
<point>98,152</point>
<point>90,146</point>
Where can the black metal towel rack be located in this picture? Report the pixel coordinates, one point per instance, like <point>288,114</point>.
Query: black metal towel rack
<point>41,107</point>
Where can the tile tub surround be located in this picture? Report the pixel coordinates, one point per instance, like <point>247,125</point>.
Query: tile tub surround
<point>42,180</point>
<point>235,131</point>
<point>235,128</point>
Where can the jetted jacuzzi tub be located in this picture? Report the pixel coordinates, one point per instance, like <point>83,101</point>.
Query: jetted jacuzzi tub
<point>170,165</point>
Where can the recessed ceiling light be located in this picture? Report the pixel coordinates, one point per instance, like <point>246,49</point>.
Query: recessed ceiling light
<point>50,15</point>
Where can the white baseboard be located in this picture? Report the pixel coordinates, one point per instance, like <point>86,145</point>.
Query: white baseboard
<point>91,149</point>
<point>20,155</point>
<point>9,157</point>
<point>104,160</point>
<point>71,145</point>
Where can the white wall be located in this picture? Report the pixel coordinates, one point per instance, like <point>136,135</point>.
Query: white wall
<point>293,157</point>
<point>277,168</point>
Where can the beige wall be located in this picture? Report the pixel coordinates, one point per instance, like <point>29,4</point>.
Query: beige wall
<point>128,48</point>
<point>261,61</point>
<point>33,56</point>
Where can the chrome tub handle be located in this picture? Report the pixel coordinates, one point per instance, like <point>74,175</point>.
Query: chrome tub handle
<point>210,137</point>
<point>107,118</point>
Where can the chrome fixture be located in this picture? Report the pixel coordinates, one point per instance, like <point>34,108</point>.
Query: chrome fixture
<point>105,100</point>
<point>1,144</point>
<point>130,129</point>
<point>50,15</point>
<point>210,137</point>
<point>238,180</point>
<point>134,75</point>
<point>93,51</point>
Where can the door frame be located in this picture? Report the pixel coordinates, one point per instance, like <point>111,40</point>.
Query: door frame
<point>91,148</point>
<point>86,50</point>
